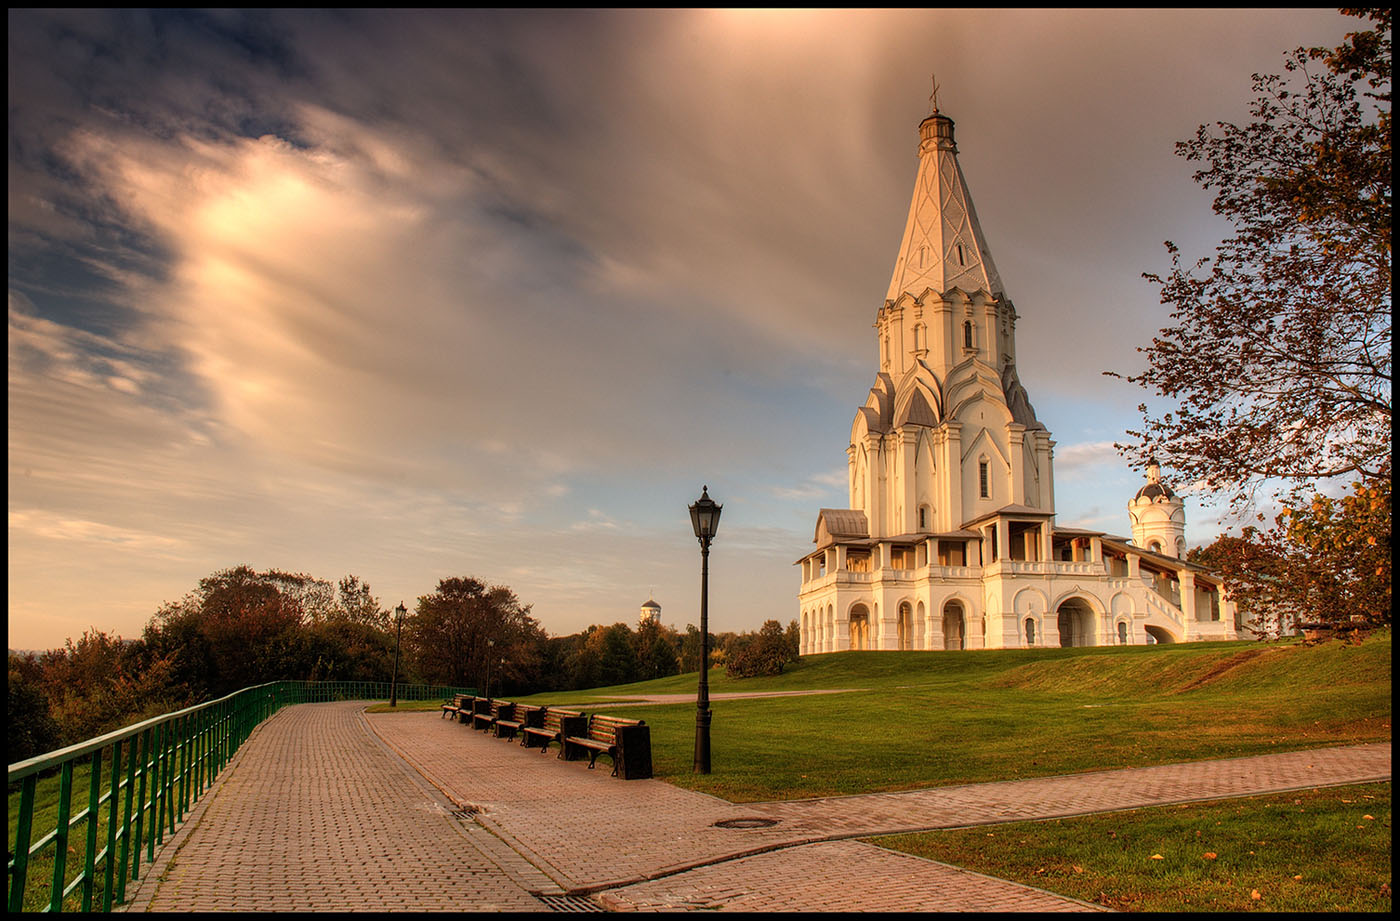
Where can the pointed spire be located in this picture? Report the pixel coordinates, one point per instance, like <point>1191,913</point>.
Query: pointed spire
<point>943,245</point>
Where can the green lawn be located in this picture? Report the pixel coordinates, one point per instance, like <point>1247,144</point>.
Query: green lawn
<point>916,719</point>
<point>1305,851</point>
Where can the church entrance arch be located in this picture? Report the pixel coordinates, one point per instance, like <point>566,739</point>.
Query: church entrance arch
<point>860,627</point>
<point>954,626</point>
<point>1075,618</point>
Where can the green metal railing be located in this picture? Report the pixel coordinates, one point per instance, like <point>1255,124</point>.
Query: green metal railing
<point>141,781</point>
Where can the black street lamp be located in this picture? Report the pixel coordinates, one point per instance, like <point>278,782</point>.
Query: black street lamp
<point>399,612</point>
<point>704,517</point>
<point>490,656</point>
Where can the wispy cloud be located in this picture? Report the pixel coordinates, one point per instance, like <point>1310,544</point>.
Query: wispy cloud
<point>410,294</point>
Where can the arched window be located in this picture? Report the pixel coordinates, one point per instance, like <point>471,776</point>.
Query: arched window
<point>1122,633</point>
<point>923,518</point>
<point>984,479</point>
<point>1030,631</point>
<point>967,334</point>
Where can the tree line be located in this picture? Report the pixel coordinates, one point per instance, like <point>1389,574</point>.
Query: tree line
<point>241,627</point>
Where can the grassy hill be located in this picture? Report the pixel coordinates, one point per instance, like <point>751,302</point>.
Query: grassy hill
<point>913,719</point>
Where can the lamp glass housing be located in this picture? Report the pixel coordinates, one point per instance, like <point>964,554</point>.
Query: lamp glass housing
<point>704,515</point>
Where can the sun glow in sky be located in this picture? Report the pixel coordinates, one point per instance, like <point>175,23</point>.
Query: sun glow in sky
<point>413,295</point>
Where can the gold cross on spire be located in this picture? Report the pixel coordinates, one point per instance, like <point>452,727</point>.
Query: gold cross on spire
<point>933,98</point>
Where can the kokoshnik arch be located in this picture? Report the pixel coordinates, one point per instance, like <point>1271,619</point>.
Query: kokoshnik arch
<point>950,539</point>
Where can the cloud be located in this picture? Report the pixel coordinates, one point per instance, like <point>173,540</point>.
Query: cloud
<point>816,485</point>
<point>1084,459</point>
<point>408,293</point>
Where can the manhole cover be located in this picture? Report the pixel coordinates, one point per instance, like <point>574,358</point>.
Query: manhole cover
<point>746,823</point>
<point>568,902</point>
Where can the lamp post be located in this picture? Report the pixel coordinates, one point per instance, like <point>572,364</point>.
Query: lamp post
<point>704,517</point>
<point>490,655</point>
<point>399,612</point>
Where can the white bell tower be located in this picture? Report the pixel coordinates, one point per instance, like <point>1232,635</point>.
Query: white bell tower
<point>1158,516</point>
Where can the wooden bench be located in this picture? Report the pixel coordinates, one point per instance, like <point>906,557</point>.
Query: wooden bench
<point>626,742</point>
<point>486,722</point>
<point>455,706</point>
<point>480,711</point>
<point>521,715</point>
<point>555,726</point>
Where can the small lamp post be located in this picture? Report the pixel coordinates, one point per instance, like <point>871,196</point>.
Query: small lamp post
<point>704,517</point>
<point>399,612</point>
<point>490,655</point>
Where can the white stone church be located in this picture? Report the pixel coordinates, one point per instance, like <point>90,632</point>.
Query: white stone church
<point>950,539</point>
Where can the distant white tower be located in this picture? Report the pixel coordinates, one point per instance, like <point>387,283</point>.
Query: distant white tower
<point>651,613</point>
<point>1158,516</point>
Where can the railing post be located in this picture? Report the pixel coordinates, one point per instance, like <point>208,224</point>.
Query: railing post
<point>186,779</point>
<point>109,867</point>
<point>141,824</point>
<point>133,751</point>
<point>60,853</point>
<point>19,872</point>
<point>94,812</point>
<point>167,808</point>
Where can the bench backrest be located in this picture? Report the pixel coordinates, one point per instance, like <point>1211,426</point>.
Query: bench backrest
<point>604,728</point>
<point>554,718</point>
<point>481,705</point>
<point>502,709</point>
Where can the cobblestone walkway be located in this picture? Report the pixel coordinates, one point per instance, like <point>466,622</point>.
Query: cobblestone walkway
<point>326,808</point>
<point>650,845</point>
<point>314,814</point>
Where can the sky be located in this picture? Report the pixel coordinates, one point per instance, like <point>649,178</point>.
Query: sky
<point>417,295</point>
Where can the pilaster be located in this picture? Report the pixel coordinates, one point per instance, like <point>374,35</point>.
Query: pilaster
<point>1016,448</point>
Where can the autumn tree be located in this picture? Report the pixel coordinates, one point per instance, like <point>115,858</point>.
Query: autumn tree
<point>465,627</point>
<point>1324,561</point>
<point>658,651</point>
<point>1276,368</point>
<point>29,728</point>
<point>250,620</point>
<point>101,682</point>
<point>242,627</point>
<point>609,656</point>
<point>766,652</point>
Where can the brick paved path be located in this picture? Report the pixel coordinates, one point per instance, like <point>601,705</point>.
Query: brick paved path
<point>651,845</point>
<point>314,814</point>
<point>319,812</point>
